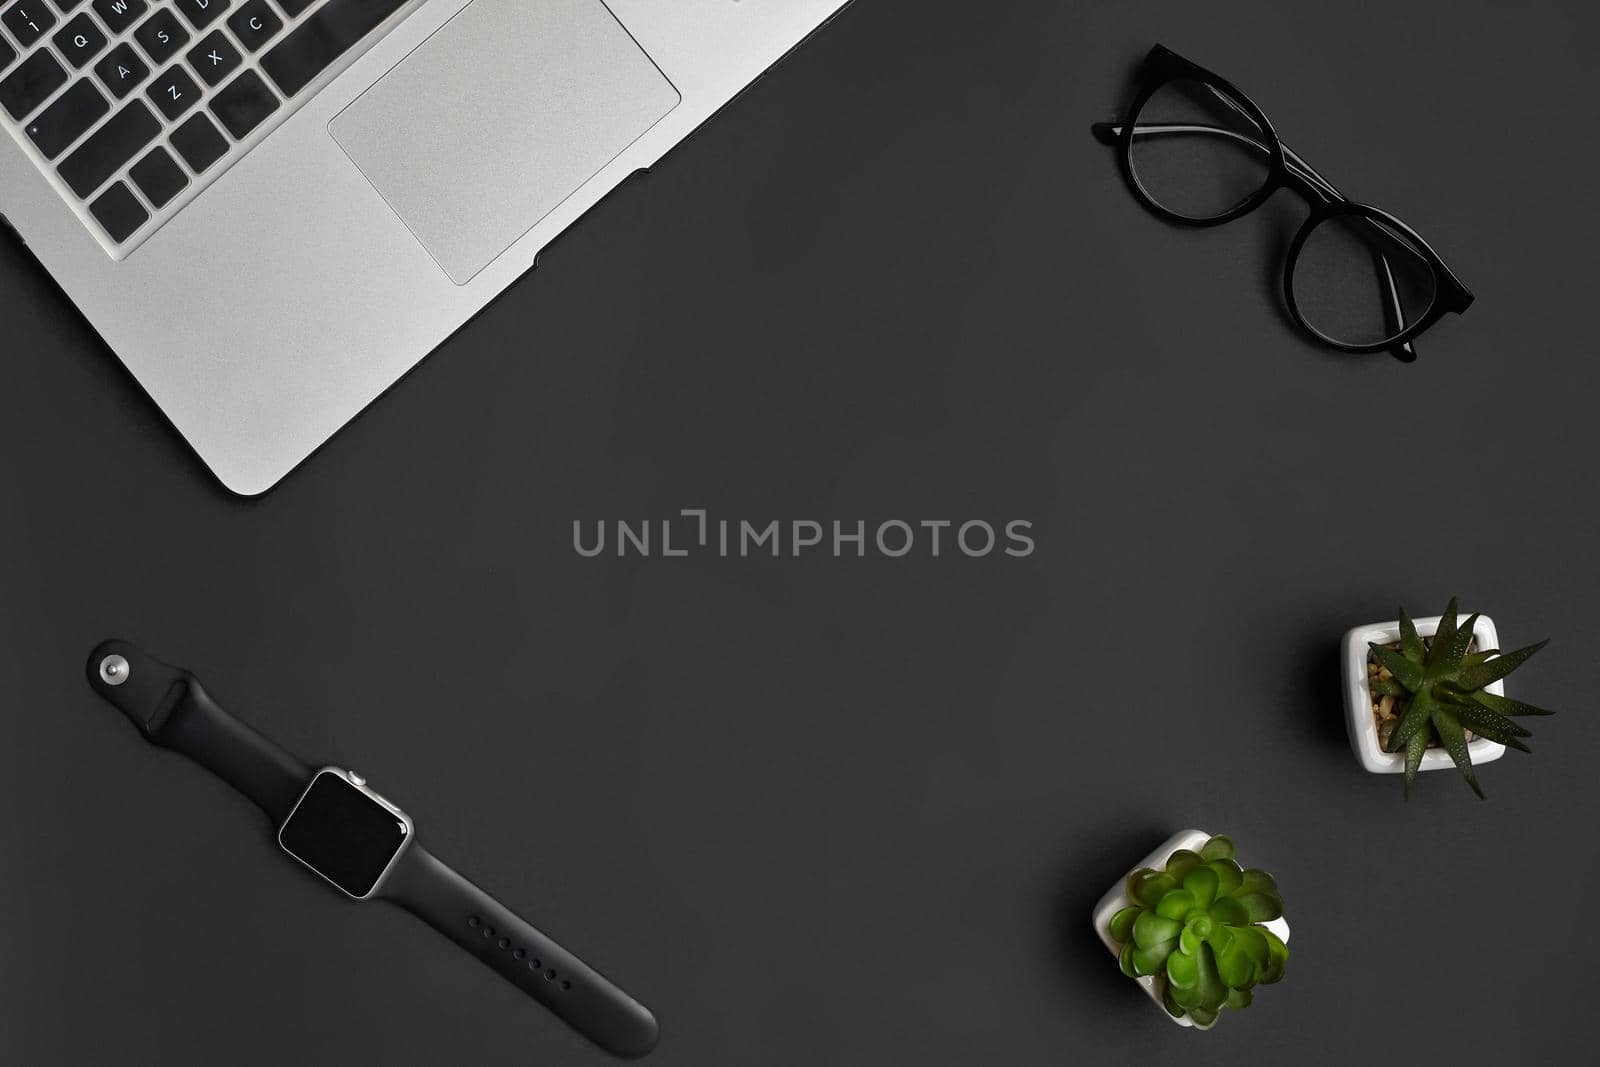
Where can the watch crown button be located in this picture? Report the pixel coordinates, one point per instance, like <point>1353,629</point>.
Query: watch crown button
<point>355,778</point>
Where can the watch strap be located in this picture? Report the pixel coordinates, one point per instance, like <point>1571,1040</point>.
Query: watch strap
<point>172,709</point>
<point>582,997</point>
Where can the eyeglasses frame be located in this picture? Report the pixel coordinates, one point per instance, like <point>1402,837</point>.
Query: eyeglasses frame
<point>1286,170</point>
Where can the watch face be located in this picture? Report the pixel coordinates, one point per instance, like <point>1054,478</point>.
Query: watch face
<point>343,834</point>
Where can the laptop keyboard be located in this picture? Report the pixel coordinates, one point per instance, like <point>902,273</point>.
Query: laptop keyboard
<point>134,106</point>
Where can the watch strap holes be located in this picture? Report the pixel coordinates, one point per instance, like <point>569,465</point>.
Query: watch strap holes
<point>518,953</point>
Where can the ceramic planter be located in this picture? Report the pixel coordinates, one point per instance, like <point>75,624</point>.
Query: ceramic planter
<point>1363,729</point>
<point>1116,899</point>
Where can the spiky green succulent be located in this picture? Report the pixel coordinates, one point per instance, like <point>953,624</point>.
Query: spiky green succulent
<point>1193,927</point>
<point>1442,684</point>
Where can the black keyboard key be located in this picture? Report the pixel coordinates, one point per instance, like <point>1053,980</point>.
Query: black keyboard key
<point>8,54</point>
<point>63,122</point>
<point>174,92</point>
<point>243,104</point>
<point>120,212</point>
<point>158,177</point>
<point>325,35</point>
<point>122,70</point>
<point>66,6</point>
<point>28,20</point>
<point>214,58</point>
<point>31,84</point>
<point>294,7</point>
<point>254,24</point>
<point>120,14</point>
<point>79,40</point>
<point>161,36</point>
<point>109,147</point>
<point>202,13</point>
<point>199,143</point>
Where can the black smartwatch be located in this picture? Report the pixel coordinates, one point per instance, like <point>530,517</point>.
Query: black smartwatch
<point>365,846</point>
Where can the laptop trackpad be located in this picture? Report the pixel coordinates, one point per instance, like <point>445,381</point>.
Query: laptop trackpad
<point>497,118</point>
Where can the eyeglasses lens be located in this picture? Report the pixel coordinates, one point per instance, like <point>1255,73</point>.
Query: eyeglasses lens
<point>1357,281</point>
<point>1197,152</point>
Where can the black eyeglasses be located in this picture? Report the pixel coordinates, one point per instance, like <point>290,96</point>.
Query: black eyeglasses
<point>1197,151</point>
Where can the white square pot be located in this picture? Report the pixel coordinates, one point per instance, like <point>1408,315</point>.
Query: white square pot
<point>1358,698</point>
<point>1116,899</point>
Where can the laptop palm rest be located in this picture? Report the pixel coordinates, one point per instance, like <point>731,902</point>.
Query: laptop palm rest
<point>497,118</point>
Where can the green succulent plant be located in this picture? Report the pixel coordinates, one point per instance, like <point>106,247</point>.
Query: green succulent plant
<point>1442,685</point>
<point>1193,927</point>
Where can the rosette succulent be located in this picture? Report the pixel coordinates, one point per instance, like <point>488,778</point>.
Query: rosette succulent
<point>1442,686</point>
<point>1194,928</point>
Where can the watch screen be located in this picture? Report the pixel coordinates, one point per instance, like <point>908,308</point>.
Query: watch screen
<point>343,834</point>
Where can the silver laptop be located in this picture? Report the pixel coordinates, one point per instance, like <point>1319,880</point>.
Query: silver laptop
<point>272,209</point>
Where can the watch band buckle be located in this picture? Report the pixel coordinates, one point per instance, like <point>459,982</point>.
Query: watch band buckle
<point>137,684</point>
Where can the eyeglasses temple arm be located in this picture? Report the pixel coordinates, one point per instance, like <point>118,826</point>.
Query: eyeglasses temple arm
<point>1110,133</point>
<point>1405,351</point>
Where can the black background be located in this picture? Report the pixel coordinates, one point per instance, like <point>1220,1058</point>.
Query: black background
<point>857,811</point>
